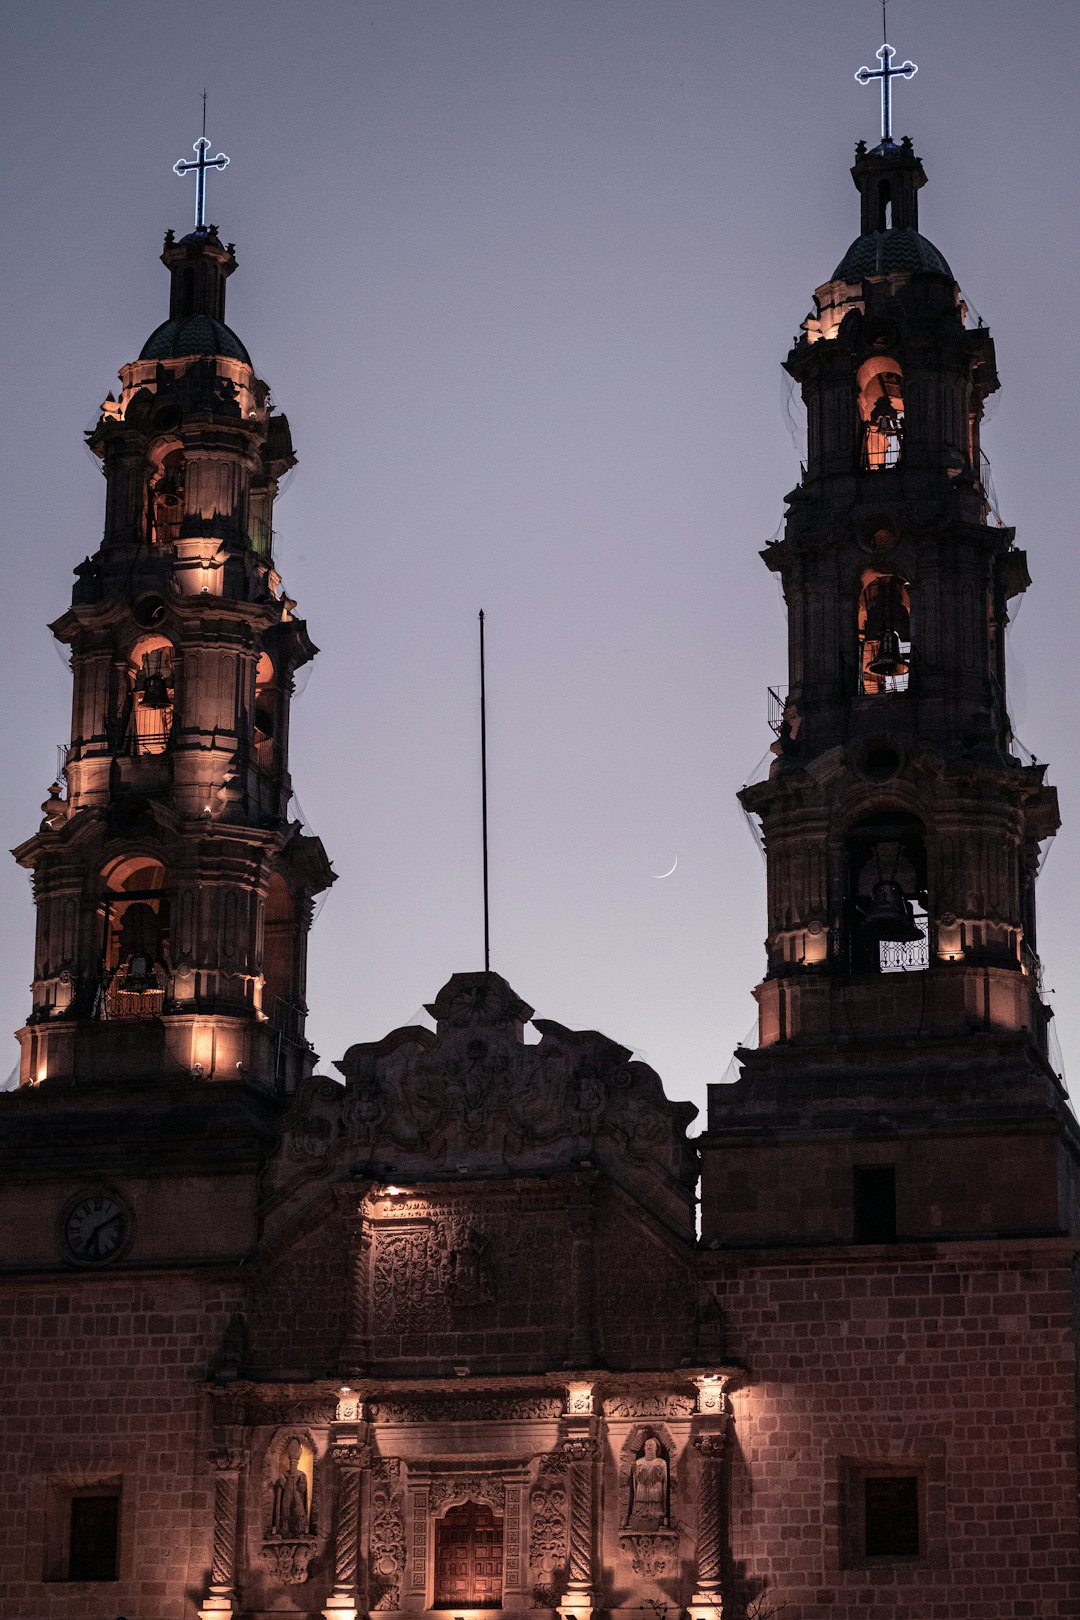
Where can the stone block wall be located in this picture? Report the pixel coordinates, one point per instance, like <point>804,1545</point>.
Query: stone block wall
<point>953,1362</point>
<point>102,1383</point>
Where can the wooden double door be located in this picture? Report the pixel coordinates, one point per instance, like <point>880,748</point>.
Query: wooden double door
<point>469,1558</point>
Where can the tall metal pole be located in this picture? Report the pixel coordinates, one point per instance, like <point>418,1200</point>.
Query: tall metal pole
<point>483,796</point>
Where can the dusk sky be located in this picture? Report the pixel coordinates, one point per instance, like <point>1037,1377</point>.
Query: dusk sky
<point>521,273</point>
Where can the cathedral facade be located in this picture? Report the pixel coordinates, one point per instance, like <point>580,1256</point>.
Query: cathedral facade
<point>444,1334</point>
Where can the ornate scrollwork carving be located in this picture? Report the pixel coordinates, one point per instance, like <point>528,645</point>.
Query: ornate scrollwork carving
<point>288,1561</point>
<point>225,1459</point>
<point>580,1449</point>
<point>347,1456</point>
<point>651,1554</point>
<point>547,1529</point>
<point>467,1409</point>
<point>453,1488</point>
<point>387,1535</point>
<point>648,1404</point>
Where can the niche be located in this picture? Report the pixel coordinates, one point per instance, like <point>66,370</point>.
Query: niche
<point>289,1510</point>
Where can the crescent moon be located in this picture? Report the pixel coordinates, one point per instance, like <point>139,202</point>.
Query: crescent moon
<point>668,873</point>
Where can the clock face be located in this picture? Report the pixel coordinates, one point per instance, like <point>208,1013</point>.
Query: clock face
<point>97,1228</point>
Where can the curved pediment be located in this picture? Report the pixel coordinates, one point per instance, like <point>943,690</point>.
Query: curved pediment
<point>475,1098</point>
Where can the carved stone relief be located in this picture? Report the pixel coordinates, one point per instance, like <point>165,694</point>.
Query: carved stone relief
<point>547,1531</point>
<point>475,1093</point>
<point>424,1270</point>
<point>648,1404</point>
<point>454,1488</point>
<point>314,1120</point>
<point>387,1535</point>
<point>652,1555</point>
<point>404,1282</point>
<point>467,1409</point>
<point>465,1262</point>
<point>288,1561</point>
<point>513,1574</point>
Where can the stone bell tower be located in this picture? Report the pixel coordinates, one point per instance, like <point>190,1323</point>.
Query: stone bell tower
<point>173,891</point>
<point>901,823</point>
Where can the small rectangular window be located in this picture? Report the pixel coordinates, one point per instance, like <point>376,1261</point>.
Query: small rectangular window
<point>874,1200</point>
<point>891,1516</point>
<point>94,1537</point>
<point>82,1529</point>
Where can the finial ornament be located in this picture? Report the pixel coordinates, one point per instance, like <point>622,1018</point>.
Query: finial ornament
<point>886,73</point>
<point>200,166</point>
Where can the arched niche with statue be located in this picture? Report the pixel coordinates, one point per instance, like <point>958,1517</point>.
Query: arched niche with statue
<point>648,1531</point>
<point>290,1506</point>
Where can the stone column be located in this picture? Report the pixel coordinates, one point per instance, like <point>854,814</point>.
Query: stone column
<point>227,1463</point>
<point>580,1452</point>
<point>356,1341</point>
<point>707,1602</point>
<point>350,1459</point>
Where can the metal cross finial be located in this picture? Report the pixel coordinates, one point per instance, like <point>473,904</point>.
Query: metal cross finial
<point>886,73</point>
<point>200,166</point>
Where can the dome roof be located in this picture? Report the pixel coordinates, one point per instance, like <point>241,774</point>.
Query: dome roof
<point>193,335</point>
<point>885,253</point>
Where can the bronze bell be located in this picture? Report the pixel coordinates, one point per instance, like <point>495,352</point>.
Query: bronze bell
<point>891,916</point>
<point>155,694</point>
<point>138,975</point>
<point>889,660</point>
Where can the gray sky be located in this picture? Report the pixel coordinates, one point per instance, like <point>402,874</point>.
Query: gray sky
<point>521,273</point>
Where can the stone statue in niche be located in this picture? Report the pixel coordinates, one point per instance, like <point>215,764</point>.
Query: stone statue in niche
<point>292,1511</point>
<point>289,1539</point>
<point>649,1504</point>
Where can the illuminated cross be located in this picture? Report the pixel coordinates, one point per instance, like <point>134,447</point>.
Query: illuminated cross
<point>200,166</point>
<point>886,73</point>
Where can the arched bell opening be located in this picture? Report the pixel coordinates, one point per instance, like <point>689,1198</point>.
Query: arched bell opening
<point>884,632</point>
<point>151,690</point>
<point>268,715</point>
<point>166,497</point>
<point>880,386</point>
<point>885,901</point>
<point>135,939</point>
<point>469,1558</point>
